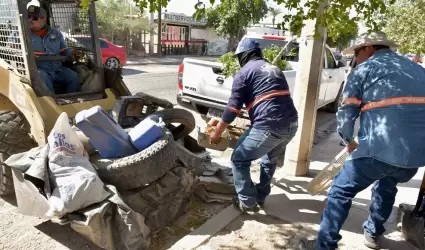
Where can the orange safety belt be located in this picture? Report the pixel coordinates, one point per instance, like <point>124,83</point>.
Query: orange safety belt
<point>394,101</point>
<point>266,96</point>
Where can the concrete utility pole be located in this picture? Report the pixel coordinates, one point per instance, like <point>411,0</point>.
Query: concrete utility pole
<point>297,156</point>
<point>159,27</point>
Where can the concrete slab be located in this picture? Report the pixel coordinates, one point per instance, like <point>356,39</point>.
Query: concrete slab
<point>289,201</point>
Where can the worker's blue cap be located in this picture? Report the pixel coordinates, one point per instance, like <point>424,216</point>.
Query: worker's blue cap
<point>246,45</point>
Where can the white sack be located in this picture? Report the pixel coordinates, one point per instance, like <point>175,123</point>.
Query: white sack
<point>74,180</point>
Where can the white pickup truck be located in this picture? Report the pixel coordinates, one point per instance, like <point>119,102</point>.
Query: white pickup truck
<point>203,87</point>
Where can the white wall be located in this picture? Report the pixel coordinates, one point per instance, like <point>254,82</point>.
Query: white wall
<point>207,34</point>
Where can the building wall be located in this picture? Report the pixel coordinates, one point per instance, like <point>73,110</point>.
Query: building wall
<point>208,34</point>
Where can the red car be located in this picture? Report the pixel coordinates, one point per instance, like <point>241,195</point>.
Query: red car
<point>112,55</point>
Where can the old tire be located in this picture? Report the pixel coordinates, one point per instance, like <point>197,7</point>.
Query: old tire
<point>14,138</point>
<point>152,100</point>
<point>165,200</point>
<point>139,169</point>
<point>185,119</point>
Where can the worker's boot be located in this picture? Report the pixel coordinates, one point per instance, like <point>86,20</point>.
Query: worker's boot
<point>371,242</point>
<point>244,209</point>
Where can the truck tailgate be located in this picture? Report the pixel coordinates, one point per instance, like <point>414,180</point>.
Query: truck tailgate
<point>203,79</point>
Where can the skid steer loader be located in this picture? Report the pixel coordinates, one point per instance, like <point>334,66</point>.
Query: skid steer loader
<point>28,109</point>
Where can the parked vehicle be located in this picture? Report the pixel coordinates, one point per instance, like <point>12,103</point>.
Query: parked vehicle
<point>204,88</point>
<point>112,55</point>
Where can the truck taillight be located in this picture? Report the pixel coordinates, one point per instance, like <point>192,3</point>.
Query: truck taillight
<point>180,76</point>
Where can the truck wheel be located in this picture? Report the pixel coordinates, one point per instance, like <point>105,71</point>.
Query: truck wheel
<point>14,138</point>
<point>139,169</point>
<point>184,118</point>
<point>333,107</point>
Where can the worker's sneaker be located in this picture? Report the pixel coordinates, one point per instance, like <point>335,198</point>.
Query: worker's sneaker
<point>244,209</point>
<point>371,242</point>
<point>306,244</point>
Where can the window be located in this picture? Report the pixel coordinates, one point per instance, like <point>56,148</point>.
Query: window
<point>330,59</point>
<point>268,42</point>
<point>103,44</point>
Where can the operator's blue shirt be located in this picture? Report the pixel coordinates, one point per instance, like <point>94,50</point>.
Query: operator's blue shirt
<point>255,79</point>
<point>387,91</point>
<point>52,44</point>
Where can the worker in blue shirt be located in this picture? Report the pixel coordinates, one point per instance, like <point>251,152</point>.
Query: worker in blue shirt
<point>50,42</point>
<point>387,91</point>
<point>262,88</point>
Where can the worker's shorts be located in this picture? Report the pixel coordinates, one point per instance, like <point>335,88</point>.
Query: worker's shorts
<point>66,77</point>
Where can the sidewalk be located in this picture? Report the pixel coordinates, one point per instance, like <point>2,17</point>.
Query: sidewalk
<point>291,213</point>
<point>164,60</point>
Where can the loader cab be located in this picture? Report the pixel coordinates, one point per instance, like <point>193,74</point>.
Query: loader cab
<point>72,21</point>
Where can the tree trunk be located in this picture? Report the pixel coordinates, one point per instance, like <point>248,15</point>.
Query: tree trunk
<point>232,43</point>
<point>273,20</point>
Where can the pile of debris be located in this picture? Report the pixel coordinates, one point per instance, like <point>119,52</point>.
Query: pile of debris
<point>116,179</point>
<point>119,178</point>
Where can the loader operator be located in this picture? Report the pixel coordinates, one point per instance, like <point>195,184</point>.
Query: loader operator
<point>387,91</point>
<point>50,42</point>
<point>263,89</point>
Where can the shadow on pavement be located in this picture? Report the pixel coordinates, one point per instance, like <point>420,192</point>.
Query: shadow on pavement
<point>66,236</point>
<point>128,72</point>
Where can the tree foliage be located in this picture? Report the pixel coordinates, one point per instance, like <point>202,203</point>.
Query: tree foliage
<point>231,65</point>
<point>231,18</point>
<point>341,33</point>
<point>111,17</point>
<point>335,10</point>
<point>405,25</point>
<point>274,12</point>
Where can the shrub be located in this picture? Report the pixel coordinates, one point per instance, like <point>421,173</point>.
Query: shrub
<point>231,65</point>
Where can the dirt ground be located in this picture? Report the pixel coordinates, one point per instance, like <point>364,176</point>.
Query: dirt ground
<point>243,234</point>
<point>19,232</point>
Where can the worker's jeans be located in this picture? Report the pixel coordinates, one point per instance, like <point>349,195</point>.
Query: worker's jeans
<point>252,145</point>
<point>66,77</point>
<point>355,176</point>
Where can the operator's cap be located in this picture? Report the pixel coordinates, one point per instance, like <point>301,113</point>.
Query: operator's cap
<point>36,11</point>
<point>246,45</point>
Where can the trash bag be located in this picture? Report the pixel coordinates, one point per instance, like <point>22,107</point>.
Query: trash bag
<point>164,200</point>
<point>112,224</point>
<point>74,181</point>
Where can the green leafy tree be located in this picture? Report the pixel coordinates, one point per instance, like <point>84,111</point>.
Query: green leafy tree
<point>405,25</point>
<point>302,10</point>
<point>231,18</point>
<point>340,33</point>
<point>274,12</point>
<point>113,18</point>
<point>231,65</point>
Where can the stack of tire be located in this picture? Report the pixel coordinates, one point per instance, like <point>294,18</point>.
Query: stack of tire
<point>155,182</point>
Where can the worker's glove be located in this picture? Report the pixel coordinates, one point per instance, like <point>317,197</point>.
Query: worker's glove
<point>352,146</point>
